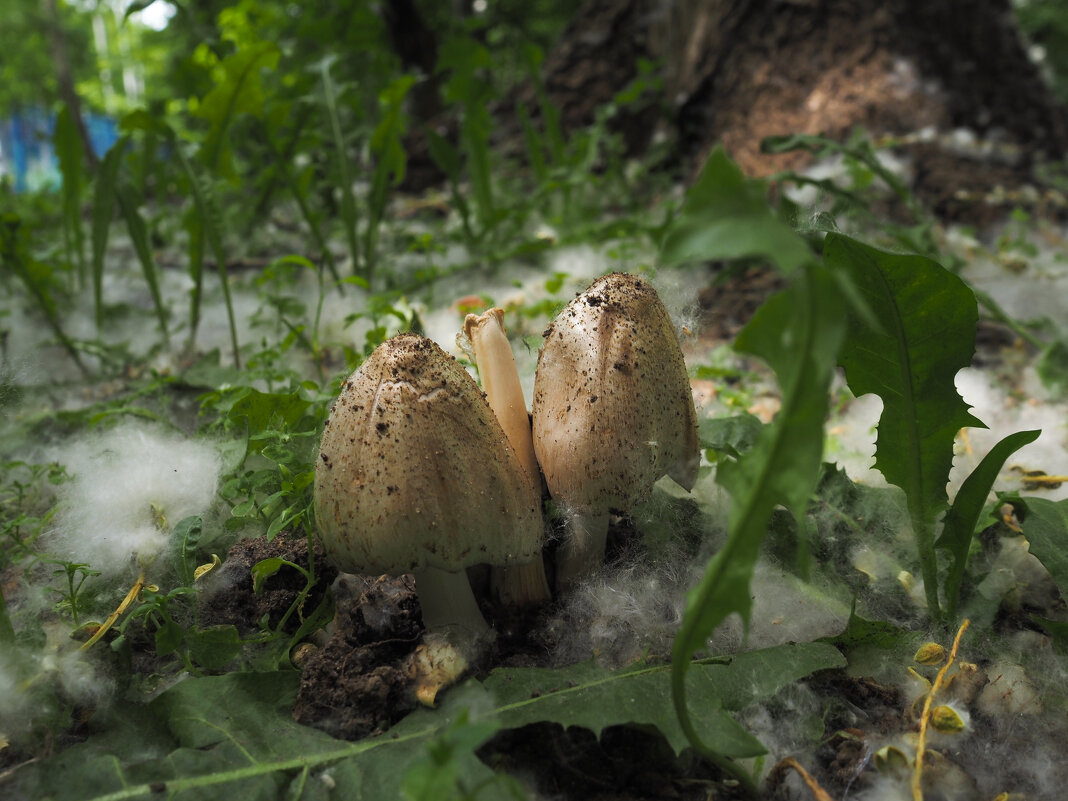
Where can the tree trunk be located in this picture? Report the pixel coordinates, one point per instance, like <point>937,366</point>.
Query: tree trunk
<point>737,71</point>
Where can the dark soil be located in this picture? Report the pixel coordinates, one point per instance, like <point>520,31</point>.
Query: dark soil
<point>228,595</point>
<point>358,682</point>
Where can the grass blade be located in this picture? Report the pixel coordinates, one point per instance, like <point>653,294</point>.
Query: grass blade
<point>391,161</point>
<point>798,332</point>
<point>71,155</point>
<point>963,515</point>
<point>135,224</point>
<point>349,213</point>
<point>207,229</point>
<point>103,214</point>
<point>36,277</point>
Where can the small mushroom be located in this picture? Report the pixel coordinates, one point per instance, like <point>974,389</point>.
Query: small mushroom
<point>416,475</point>
<point>613,411</point>
<point>523,584</point>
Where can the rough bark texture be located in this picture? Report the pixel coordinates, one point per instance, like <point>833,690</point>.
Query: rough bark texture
<point>736,71</point>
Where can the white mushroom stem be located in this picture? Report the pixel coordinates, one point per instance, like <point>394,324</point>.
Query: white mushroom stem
<point>583,551</point>
<point>519,584</point>
<point>449,605</point>
<point>500,382</point>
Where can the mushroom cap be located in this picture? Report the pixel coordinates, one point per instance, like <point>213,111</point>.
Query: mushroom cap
<point>613,409</point>
<point>415,471</point>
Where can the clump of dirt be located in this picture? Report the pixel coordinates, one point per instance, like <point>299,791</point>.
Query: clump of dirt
<point>359,683</point>
<point>229,595</point>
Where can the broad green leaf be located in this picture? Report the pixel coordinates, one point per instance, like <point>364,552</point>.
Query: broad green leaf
<point>860,632</point>
<point>726,216</point>
<point>927,319</point>
<point>731,436</point>
<point>798,333</point>
<point>592,697</point>
<point>215,647</point>
<point>449,760</point>
<point>168,638</point>
<point>239,91</point>
<point>1053,365</point>
<point>963,516</point>
<point>214,736</point>
<point>1045,525</point>
<point>265,568</point>
<point>265,410</point>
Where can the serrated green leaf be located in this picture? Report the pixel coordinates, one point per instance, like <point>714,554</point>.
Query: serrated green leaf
<point>797,332</point>
<point>216,735</point>
<point>963,516</point>
<point>1045,525</point>
<point>860,632</point>
<point>593,698</point>
<point>726,216</point>
<point>927,319</point>
<point>732,436</point>
<point>267,409</point>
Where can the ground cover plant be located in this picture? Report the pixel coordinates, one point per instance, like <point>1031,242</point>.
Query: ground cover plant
<point>180,319</point>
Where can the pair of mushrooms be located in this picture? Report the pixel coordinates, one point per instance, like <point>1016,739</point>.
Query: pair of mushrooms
<point>420,472</point>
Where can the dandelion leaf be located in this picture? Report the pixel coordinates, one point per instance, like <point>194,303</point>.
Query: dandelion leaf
<point>1045,525</point>
<point>211,736</point>
<point>798,333</point>
<point>926,317</point>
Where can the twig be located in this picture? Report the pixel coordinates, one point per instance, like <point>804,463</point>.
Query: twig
<point>135,590</point>
<point>818,792</point>
<point>917,771</point>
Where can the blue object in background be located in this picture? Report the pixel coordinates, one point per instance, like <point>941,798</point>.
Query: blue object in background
<point>26,146</point>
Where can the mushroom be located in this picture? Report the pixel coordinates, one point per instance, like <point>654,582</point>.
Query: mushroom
<point>416,475</point>
<point>613,411</point>
<point>522,584</point>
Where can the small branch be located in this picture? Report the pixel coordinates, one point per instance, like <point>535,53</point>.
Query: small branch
<point>818,792</point>
<point>917,771</point>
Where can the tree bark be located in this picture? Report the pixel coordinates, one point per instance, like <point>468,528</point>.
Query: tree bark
<point>736,71</point>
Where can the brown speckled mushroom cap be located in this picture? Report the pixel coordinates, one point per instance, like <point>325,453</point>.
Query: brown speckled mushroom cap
<point>613,411</point>
<point>415,471</point>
